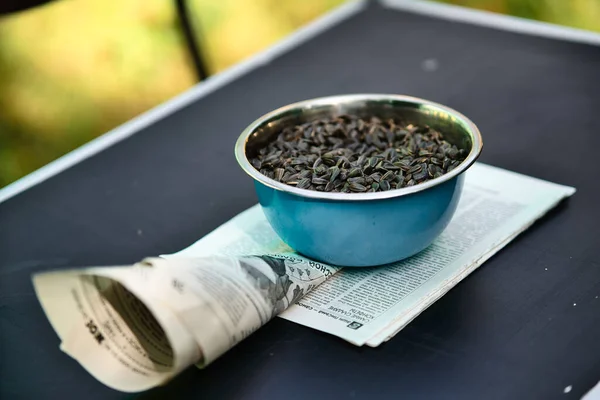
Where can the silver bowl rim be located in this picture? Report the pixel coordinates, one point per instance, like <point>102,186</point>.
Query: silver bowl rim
<point>242,159</point>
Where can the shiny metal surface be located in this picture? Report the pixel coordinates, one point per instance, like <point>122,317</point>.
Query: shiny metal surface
<point>457,129</point>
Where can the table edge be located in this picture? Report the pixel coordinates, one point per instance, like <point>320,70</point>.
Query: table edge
<point>493,20</point>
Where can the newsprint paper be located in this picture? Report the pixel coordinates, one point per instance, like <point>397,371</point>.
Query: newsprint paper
<point>135,327</point>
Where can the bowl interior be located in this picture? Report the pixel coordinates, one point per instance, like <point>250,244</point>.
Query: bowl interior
<point>453,126</point>
<point>456,128</point>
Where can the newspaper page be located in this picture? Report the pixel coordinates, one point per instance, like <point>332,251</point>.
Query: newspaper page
<point>370,305</point>
<point>136,327</point>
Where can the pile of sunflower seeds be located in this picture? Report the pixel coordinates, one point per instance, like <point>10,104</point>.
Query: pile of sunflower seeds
<point>350,154</point>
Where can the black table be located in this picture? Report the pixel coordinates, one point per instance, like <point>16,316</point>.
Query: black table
<point>524,326</point>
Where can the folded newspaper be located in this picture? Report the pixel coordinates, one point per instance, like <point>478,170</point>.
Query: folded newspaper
<point>135,327</point>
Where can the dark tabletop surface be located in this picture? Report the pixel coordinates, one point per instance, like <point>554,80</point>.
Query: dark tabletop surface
<point>510,330</point>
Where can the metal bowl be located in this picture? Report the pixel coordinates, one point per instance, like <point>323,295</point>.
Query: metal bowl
<point>360,229</point>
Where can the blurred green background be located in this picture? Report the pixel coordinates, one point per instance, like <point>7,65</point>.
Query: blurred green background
<point>73,69</point>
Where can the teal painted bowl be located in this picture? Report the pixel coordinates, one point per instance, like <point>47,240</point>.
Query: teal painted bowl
<point>361,229</point>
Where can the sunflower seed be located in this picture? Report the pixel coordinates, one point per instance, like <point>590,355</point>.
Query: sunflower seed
<point>420,175</point>
<point>256,163</point>
<point>357,187</point>
<point>384,185</point>
<point>354,172</point>
<point>279,172</point>
<point>376,176</point>
<point>358,179</point>
<point>319,181</point>
<point>436,161</point>
<point>361,160</point>
<point>431,169</point>
<point>335,171</point>
<point>299,161</point>
<point>303,183</point>
<point>388,176</point>
<point>415,168</point>
<point>305,174</point>
<point>452,153</point>
<point>321,170</point>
